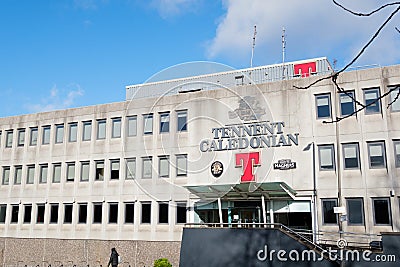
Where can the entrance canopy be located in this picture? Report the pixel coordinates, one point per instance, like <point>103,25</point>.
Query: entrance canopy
<point>243,190</point>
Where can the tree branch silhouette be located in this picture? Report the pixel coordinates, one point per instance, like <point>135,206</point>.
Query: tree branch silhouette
<point>334,76</point>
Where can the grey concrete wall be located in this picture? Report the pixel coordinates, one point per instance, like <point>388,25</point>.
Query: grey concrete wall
<point>92,253</point>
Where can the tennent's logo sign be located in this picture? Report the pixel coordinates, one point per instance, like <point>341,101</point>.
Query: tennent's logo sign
<point>305,69</point>
<point>248,161</point>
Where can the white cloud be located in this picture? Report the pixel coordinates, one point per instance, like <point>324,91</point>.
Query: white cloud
<point>313,27</point>
<point>169,8</point>
<point>57,99</point>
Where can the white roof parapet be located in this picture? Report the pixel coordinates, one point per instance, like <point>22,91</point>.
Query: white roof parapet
<point>255,75</point>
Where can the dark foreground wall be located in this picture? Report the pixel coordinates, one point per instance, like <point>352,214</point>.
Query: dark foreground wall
<point>240,247</point>
<point>18,252</point>
<point>215,247</point>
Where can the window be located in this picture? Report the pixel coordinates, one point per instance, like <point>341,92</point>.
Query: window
<point>181,212</point>
<point>182,120</point>
<point>114,169</point>
<point>68,213</point>
<point>99,171</point>
<point>27,213</point>
<point>355,211</point>
<point>377,155</point>
<point>30,176</point>
<point>130,171</point>
<point>116,128</point>
<point>43,173</point>
<point>85,168</point>
<point>148,124</point>
<point>129,212</point>
<point>56,173</point>
<point>53,213</point>
<point>347,106</point>
<point>59,133</point>
<point>397,153</point>
<point>82,213</point>
<point>372,103</point>
<point>73,132</point>
<point>101,129</point>
<point>9,138</point>
<point>146,212</point>
<point>40,213</point>
<point>3,212</point>
<point>351,156</point>
<point>329,217</point>
<point>97,212</point>
<point>87,130</point>
<point>146,168</point>
<point>34,136</point>
<point>162,212</point>
<point>18,175</point>
<point>46,135</point>
<point>323,103</point>
<point>326,157</point>
<point>394,98</point>
<point>132,126</point>
<point>14,213</point>
<point>382,215</point>
<point>164,122</point>
<point>21,137</point>
<point>6,175</point>
<point>113,213</point>
<point>70,171</point>
<point>163,171</point>
<point>181,165</point>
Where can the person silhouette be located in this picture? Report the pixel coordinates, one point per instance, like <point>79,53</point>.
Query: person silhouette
<point>113,258</point>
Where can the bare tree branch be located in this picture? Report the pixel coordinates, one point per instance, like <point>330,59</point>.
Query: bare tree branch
<point>365,14</point>
<point>338,119</point>
<point>357,56</point>
<point>397,29</point>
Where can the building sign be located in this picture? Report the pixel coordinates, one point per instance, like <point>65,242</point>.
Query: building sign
<point>305,69</point>
<point>217,169</point>
<point>263,134</point>
<point>248,161</point>
<point>285,164</point>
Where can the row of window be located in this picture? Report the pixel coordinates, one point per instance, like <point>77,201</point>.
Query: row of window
<point>355,211</point>
<point>56,213</point>
<point>347,102</point>
<point>101,129</point>
<point>351,155</point>
<point>82,170</point>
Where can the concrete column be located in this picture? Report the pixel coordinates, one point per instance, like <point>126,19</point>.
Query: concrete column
<point>220,212</point>
<point>264,212</point>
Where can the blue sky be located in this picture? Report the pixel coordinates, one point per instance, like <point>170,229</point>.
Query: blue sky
<point>56,54</point>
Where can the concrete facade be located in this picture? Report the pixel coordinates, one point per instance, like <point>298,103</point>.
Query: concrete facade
<point>170,143</point>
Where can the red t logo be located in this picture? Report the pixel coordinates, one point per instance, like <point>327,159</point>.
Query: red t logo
<point>247,161</point>
<point>305,69</point>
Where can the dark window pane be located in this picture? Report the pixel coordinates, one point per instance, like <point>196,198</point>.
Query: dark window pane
<point>3,209</point>
<point>14,214</point>
<point>382,211</point>
<point>129,212</point>
<point>327,210</point>
<point>54,213</point>
<point>82,213</point>
<point>181,213</point>
<point>355,211</point>
<point>146,213</point>
<point>163,213</point>
<point>113,215</point>
<point>68,213</point>
<point>97,213</point>
<point>27,214</point>
<point>40,214</point>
